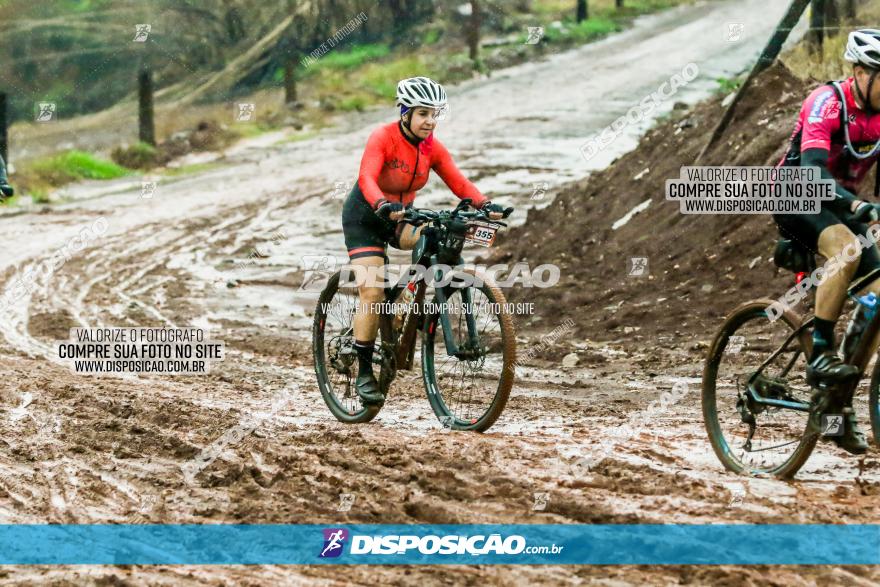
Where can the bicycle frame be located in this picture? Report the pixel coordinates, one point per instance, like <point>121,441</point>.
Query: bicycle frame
<point>406,342</point>
<point>860,356</point>
<point>779,403</point>
<point>452,349</point>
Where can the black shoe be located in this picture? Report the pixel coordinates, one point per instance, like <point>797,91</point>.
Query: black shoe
<point>368,390</point>
<point>828,368</point>
<point>853,440</point>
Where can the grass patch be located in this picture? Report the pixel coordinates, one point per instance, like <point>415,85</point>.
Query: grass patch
<point>137,156</point>
<point>431,36</point>
<point>76,165</point>
<point>381,79</point>
<point>40,177</point>
<point>353,103</point>
<point>587,30</point>
<point>357,56</point>
<point>304,136</point>
<point>727,85</point>
<point>251,129</point>
<point>190,169</point>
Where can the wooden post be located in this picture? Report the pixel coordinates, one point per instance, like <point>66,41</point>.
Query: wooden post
<point>583,11</point>
<point>474,33</point>
<point>4,135</point>
<point>289,79</point>
<point>146,129</point>
<point>816,34</point>
<point>770,52</point>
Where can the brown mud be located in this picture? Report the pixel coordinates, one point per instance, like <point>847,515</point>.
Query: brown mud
<point>149,449</point>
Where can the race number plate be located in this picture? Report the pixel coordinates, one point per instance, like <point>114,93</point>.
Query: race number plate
<point>481,233</point>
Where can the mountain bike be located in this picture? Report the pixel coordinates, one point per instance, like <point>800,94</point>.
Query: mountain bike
<point>468,341</point>
<point>761,415</point>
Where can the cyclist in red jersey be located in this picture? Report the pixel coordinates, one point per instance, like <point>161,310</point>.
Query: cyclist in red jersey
<point>844,148</point>
<point>396,163</point>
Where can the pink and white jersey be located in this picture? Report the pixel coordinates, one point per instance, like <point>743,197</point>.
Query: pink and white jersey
<point>819,127</point>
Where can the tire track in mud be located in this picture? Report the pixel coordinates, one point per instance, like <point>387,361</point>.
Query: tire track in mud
<point>120,451</point>
<point>60,293</point>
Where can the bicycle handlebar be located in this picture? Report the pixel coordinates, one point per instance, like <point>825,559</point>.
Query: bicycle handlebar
<point>422,215</point>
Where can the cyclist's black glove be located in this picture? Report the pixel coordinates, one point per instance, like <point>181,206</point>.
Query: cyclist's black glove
<point>490,207</point>
<point>866,212</point>
<point>6,191</point>
<point>387,209</point>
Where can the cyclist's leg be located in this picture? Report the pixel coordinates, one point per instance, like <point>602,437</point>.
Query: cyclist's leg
<point>366,238</point>
<point>371,295</point>
<point>831,292</point>
<point>826,234</point>
<point>406,236</point>
<point>870,261</point>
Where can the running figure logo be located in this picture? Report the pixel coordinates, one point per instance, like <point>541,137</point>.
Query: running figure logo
<point>832,425</point>
<point>334,538</point>
<point>46,111</point>
<point>317,270</point>
<point>638,266</point>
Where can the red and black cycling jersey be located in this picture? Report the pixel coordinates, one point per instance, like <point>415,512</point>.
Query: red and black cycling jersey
<point>393,169</point>
<point>819,128</point>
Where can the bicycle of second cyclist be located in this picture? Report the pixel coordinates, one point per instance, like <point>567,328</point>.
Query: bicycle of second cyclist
<point>761,415</point>
<point>468,340</point>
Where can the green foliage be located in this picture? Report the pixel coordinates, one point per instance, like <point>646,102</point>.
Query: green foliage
<point>727,85</point>
<point>75,165</point>
<point>138,156</point>
<point>353,58</point>
<point>431,36</point>
<point>588,30</point>
<point>381,78</point>
<point>353,103</point>
<point>192,169</point>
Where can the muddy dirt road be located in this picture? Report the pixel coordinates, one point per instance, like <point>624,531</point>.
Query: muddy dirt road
<point>252,442</point>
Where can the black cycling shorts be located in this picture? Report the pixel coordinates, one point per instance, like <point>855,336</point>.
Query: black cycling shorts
<point>366,235</point>
<point>804,229</point>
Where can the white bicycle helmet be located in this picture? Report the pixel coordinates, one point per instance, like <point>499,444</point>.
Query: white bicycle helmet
<point>863,48</point>
<point>420,91</point>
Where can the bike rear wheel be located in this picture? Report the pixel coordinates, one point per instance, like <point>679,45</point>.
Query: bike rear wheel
<point>753,357</point>
<point>469,393</point>
<point>874,402</point>
<point>335,361</point>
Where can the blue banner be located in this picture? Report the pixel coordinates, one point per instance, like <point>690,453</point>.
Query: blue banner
<point>619,544</point>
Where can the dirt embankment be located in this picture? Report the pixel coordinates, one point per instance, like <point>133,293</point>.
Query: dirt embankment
<point>699,266</point>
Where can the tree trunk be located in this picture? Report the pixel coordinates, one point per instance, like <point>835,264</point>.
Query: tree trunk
<point>583,12</point>
<point>618,3</point>
<point>289,78</point>
<point>4,140</point>
<point>832,15</point>
<point>474,32</point>
<point>816,34</point>
<point>234,24</point>
<point>849,9</point>
<point>146,129</point>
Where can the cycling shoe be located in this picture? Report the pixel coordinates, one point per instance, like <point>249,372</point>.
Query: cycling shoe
<point>368,390</point>
<point>828,368</point>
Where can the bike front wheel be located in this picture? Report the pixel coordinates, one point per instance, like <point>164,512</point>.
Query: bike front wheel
<point>752,359</point>
<point>469,391</point>
<point>333,348</point>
